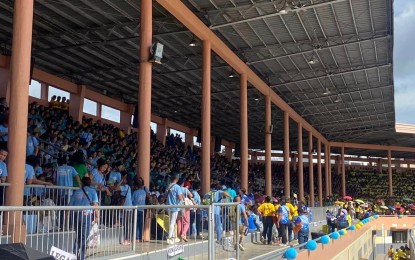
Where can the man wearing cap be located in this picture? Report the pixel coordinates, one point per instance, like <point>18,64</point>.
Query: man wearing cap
<point>174,195</point>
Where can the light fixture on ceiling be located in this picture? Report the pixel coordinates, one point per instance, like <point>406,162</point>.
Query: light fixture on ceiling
<point>326,92</point>
<point>313,60</point>
<point>232,74</point>
<point>193,42</point>
<point>256,98</point>
<point>338,99</point>
<point>287,8</point>
<point>175,111</point>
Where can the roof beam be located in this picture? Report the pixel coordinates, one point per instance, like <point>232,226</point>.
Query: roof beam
<point>341,71</point>
<point>215,27</point>
<point>321,48</point>
<point>200,30</point>
<point>393,148</point>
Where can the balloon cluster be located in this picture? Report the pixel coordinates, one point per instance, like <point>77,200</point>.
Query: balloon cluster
<point>311,245</point>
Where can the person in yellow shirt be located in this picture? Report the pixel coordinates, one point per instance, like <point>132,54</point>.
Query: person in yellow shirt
<point>390,253</point>
<point>267,210</point>
<point>292,216</point>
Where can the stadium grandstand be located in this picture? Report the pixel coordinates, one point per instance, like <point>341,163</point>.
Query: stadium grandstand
<point>202,129</point>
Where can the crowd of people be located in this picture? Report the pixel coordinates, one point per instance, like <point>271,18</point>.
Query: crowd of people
<point>101,159</point>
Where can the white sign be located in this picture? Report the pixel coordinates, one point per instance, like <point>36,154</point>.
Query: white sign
<point>175,250</point>
<point>60,254</point>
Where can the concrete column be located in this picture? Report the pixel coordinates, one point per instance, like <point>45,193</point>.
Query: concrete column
<point>125,119</point>
<point>320,179</point>
<point>162,131</point>
<point>212,145</point>
<point>268,136</point>
<point>244,130</point>
<point>144,104</point>
<point>310,168</point>
<point>380,165</point>
<point>206,114</point>
<point>188,140</point>
<point>390,183</point>
<point>300,163</point>
<point>76,103</point>
<point>19,100</point>
<point>287,190</point>
<point>326,170</point>
<point>329,169</point>
<point>228,152</point>
<point>5,81</point>
<point>44,92</point>
<point>343,171</point>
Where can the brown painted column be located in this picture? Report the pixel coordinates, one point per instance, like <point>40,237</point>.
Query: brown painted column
<point>144,104</point>
<point>286,154</point>
<point>326,170</point>
<point>390,173</point>
<point>125,119</point>
<point>268,135</point>
<point>188,140</point>
<point>76,103</point>
<point>244,130</point>
<point>44,91</point>
<point>206,109</point>
<point>310,167</point>
<point>300,163</point>
<point>212,146</point>
<point>144,101</point>
<point>228,153</point>
<point>5,78</point>
<point>19,100</point>
<point>329,169</point>
<point>320,179</point>
<point>162,131</point>
<point>343,171</point>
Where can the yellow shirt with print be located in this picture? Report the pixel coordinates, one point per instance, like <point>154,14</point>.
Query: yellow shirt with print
<point>267,209</point>
<point>293,211</point>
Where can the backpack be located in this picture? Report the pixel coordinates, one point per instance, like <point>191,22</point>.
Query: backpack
<point>343,221</point>
<point>209,198</point>
<point>118,199</point>
<point>284,210</point>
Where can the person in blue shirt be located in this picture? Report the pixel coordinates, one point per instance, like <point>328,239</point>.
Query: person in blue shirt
<point>303,220</point>
<point>32,145</point>
<point>219,195</point>
<point>64,177</point>
<point>139,199</point>
<point>196,214</point>
<point>98,177</point>
<point>30,178</point>
<point>174,197</point>
<point>243,221</point>
<point>3,166</point>
<point>115,175</point>
<point>86,196</point>
<point>124,186</point>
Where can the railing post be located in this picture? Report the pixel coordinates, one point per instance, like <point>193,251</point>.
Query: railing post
<point>134,229</point>
<point>238,217</point>
<point>211,237</point>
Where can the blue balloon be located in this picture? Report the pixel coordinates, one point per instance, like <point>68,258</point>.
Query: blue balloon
<point>341,232</point>
<point>325,240</point>
<point>291,253</point>
<point>352,227</point>
<point>336,235</point>
<point>311,245</point>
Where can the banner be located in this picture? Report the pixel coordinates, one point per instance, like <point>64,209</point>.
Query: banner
<point>60,254</point>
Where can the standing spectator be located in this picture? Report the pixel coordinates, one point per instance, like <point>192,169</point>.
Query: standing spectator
<point>304,231</point>
<point>115,175</point>
<point>342,219</point>
<point>98,176</point>
<point>331,221</point>
<point>124,187</point>
<point>3,166</point>
<point>267,211</point>
<point>183,219</point>
<point>65,175</point>
<point>78,162</point>
<point>32,145</point>
<point>196,214</point>
<point>174,197</point>
<point>139,199</point>
<point>243,221</point>
<point>86,196</point>
<point>218,195</point>
<point>283,221</point>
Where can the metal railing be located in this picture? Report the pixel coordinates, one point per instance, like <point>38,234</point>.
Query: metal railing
<point>116,229</point>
